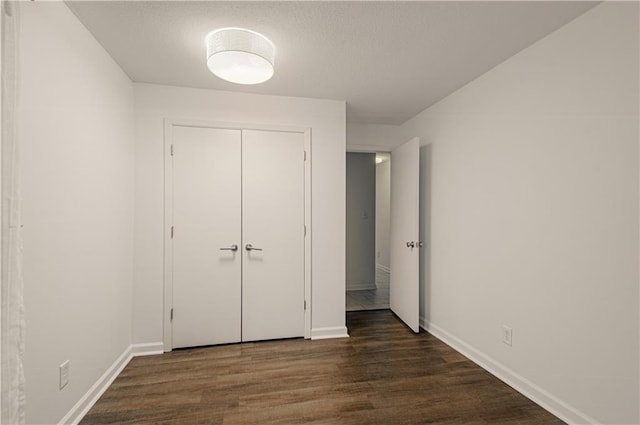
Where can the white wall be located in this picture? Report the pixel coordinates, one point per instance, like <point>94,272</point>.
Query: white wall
<point>372,137</point>
<point>383,213</point>
<point>76,130</point>
<point>533,186</point>
<point>326,118</point>
<point>361,221</point>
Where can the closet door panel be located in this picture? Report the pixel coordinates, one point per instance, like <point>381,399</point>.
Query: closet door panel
<point>206,217</point>
<point>273,222</point>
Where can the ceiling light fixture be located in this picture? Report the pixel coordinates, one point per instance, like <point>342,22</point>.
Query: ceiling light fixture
<point>240,56</point>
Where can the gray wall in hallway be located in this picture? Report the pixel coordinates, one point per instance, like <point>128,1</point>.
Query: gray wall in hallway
<point>360,220</point>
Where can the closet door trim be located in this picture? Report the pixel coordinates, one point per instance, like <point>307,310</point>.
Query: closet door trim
<point>169,124</point>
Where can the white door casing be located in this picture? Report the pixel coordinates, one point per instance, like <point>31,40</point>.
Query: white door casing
<point>404,236</point>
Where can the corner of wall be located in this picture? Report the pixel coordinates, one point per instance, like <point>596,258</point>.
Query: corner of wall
<point>89,399</point>
<point>80,409</point>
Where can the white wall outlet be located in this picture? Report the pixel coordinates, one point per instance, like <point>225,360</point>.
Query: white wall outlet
<point>64,374</point>
<point>507,334</point>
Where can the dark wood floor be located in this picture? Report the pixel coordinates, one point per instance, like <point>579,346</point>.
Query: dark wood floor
<point>383,374</point>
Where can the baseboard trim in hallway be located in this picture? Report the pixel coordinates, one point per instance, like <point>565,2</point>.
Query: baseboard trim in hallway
<point>543,398</point>
<point>374,298</point>
<point>383,268</point>
<point>361,286</point>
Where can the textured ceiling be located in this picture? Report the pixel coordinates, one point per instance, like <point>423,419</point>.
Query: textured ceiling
<point>388,60</point>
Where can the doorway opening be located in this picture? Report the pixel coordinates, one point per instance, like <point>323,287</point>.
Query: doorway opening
<point>368,208</point>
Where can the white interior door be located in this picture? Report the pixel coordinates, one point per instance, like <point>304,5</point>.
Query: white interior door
<point>405,207</point>
<point>273,223</point>
<point>206,218</point>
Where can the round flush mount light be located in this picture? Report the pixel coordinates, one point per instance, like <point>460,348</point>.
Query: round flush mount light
<point>240,56</point>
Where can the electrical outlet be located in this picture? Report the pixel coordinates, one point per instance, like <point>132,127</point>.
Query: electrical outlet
<point>64,374</point>
<point>507,334</point>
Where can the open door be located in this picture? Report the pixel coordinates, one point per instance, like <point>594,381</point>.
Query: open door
<point>404,238</point>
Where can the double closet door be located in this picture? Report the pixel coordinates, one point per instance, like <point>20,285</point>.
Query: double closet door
<point>238,235</point>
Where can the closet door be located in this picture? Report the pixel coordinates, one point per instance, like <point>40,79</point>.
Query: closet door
<point>207,224</point>
<point>273,224</point>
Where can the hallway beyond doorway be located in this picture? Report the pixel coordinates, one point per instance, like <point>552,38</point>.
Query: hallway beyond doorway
<point>371,299</point>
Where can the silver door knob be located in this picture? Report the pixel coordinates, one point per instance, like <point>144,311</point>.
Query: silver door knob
<point>233,247</point>
<point>250,247</point>
<point>411,244</point>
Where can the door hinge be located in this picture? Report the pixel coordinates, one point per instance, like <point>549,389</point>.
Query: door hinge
<point>305,304</point>
<point>171,150</point>
<point>172,315</point>
<point>305,230</point>
<point>171,232</point>
<point>305,155</point>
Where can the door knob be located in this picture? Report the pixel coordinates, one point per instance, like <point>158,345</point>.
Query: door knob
<point>250,247</point>
<point>233,247</point>
<point>411,244</point>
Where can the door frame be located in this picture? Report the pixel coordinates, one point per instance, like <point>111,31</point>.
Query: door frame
<point>368,149</point>
<point>374,150</point>
<point>169,123</point>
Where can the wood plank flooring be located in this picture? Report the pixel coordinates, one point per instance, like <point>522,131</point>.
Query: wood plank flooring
<point>383,374</point>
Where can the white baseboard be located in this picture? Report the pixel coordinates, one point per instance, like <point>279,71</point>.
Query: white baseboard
<point>383,268</point>
<point>327,333</point>
<point>361,286</point>
<point>77,412</point>
<point>148,349</point>
<point>525,387</point>
<point>82,407</point>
